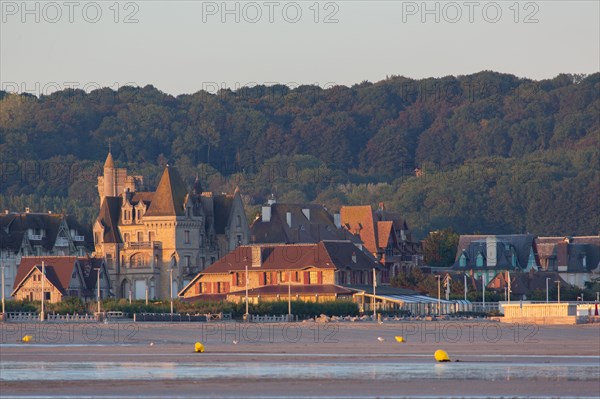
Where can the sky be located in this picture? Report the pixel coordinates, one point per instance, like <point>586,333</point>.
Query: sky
<point>186,46</point>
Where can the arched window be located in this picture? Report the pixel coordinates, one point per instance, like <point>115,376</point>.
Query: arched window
<point>138,260</point>
<point>462,261</point>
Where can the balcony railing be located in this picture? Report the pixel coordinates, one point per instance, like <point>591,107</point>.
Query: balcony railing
<point>35,236</point>
<point>78,238</point>
<point>140,244</point>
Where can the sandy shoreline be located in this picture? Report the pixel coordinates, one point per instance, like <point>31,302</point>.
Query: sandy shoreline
<point>306,345</point>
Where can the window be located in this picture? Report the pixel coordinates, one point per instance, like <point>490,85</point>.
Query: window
<point>479,260</point>
<point>186,235</point>
<point>239,221</point>
<point>187,261</point>
<point>239,240</point>
<point>201,240</point>
<point>313,279</point>
<point>151,236</point>
<point>96,237</point>
<point>126,237</point>
<point>462,261</point>
<point>140,236</point>
<point>139,214</point>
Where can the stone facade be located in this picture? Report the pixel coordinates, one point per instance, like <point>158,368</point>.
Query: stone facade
<point>152,238</point>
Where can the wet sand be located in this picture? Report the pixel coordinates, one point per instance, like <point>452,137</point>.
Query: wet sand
<point>234,346</point>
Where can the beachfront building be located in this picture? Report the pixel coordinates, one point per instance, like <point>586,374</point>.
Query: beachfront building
<point>576,259</point>
<point>385,235</point>
<point>155,242</point>
<point>63,276</point>
<point>484,256</point>
<point>308,272</point>
<point>39,234</point>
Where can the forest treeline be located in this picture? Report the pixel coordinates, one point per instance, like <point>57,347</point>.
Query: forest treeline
<point>488,152</point>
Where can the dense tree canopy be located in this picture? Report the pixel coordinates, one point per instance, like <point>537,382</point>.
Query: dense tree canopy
<point>495,153</point>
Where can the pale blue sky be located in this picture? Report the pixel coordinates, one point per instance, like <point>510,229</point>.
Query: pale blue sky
<point>181,47</point>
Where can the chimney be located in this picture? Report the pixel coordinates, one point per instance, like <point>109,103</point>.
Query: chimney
<point>288,219</point>
<point>27,210</point>
<point>256,256</point>
<point>382,206</point>
<point>491,249</point>
<point>271,200</point>
<point>337,220</point>
<point>6,212</point>
<point>306,213</point>
<point>266,213</point>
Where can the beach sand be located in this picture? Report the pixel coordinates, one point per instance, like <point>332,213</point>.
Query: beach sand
<point>493,355</point>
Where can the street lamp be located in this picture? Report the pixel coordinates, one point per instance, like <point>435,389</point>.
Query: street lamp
<point>98,293</point>
<point>289,295</point>
<point>547,279</point>
<point>43,278</point>
<point>246,291</point>
<point>439,278</point>
<point>171,281</point>
<point>558,284</point>
<point>374,294</point>
<point>3,308</point>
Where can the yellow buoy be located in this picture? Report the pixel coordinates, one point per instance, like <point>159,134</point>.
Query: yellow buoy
<point>441,356</point>
<point>400,338</point>
<point>198,347</point>
<point>26,338</point>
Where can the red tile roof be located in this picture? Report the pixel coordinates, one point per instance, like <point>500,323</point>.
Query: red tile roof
<point>384,230</point>
<point>296,289</point>
<point>360,220</point>
<point>59,270</point>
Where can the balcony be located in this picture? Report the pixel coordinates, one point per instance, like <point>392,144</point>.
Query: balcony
<point>140,245</point>
<point>35,237</point>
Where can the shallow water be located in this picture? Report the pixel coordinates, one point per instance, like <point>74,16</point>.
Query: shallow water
<point>480,371</point>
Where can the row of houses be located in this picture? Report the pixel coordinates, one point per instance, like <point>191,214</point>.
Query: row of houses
<point>575,260</point>
<point>197,244</point>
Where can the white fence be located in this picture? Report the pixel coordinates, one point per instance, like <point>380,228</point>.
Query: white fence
<point>271,319</point>
<point>20,317</point>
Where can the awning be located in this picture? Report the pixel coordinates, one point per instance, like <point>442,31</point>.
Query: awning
<point>408,299</point>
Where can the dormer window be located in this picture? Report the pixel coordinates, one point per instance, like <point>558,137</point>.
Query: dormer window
<point>479,260</point>
<point>462,261</point>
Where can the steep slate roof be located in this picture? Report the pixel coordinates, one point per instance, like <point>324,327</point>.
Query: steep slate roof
<point>15,226</point>
<point>110,212</point>
<point>89,270</point>
<point>109,163</point>
<point>472,245</point>
<point>59,270</point>
<point>223,204</point>
<point>84,231</point>
<point>569,251</point>
<point>302,230</point>
<point>169,197</point>
<point>144,196</point>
